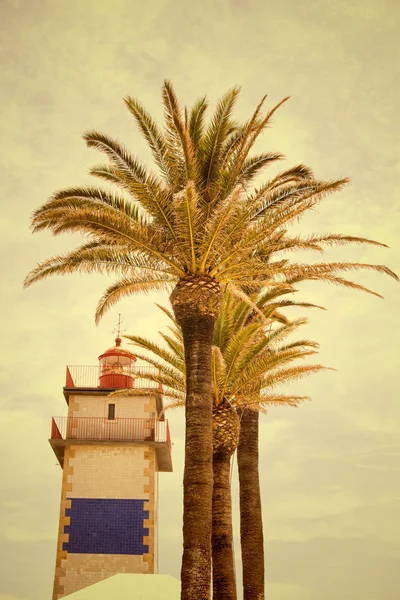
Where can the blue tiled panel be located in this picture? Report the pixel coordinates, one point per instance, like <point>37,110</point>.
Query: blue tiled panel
<point>106,526</point>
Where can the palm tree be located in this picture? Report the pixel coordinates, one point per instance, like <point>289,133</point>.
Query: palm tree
<point>190,228</point>
<point>247,363</point>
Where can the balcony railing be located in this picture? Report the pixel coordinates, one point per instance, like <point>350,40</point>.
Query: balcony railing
<point>100,429</point>
<point>88,376</point>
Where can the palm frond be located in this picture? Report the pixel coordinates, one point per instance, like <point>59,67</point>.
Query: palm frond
<point>196,121</point>
<point>176,347</point>
<point>240,149</point>
<point>238,293</point>
<point>97,258</point>
<point>258,231</point>
<point>153,199</point>
<point>265,121</point>
<point>177,132</point>
<point>216,226</point>
<point>316,242</point>
<point>246,269</point>
<point>236,347</point>
<point>168,393</point>
<point>153,136</point>
<point>166,311</point>
<point>295,174</point>
<point>86,197</point>
<point>176,332</point>
<point>117,153</point>
<point>215,135</point>
<point>286,303</point>
<point>218,368</point>
<point>337,239</point>
<point>251,369</point>
<point>111,174</point>
<point>268,294</point>
<point>259,401</point>
<point>179,400</point>
<point>172,358</point>
<point>284,199</point>
<point>299,344</point>
<point>291,374</point>
<point>224,324</point>
<point>250,133</point>
<point>253,165</point>
<point>282,331</point>
<point>125,393</point>
<point>252,380</point>
<point>127,287</point>
<point>327,272</point>
<point>110,227</point>
<point>234,137</point>
<point>242,311</point>
<point>165,376</point>
<point>187,217</point>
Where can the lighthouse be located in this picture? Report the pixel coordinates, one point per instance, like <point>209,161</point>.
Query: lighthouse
<point>111,450</point>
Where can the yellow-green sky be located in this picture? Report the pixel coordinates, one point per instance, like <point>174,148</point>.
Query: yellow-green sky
<point>330,470</point>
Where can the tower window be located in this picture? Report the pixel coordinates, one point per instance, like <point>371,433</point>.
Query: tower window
<point>111,412</point>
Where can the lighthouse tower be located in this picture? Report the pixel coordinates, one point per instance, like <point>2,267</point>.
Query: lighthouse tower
<point>110,450</point>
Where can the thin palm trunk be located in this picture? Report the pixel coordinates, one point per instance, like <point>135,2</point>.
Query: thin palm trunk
<point>251,526</point>
<point>223,568</point>
<point>196,302</point>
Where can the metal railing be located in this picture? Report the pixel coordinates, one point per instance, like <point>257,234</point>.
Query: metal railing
<point>100,428</point>
<point>83,376</point>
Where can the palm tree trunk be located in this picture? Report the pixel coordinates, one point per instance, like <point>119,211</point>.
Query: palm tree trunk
<point>196,302</point>
<point>251,526</point>
<point>223,567</point>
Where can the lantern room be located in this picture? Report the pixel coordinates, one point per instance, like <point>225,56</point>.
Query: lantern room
<point>116,367</point>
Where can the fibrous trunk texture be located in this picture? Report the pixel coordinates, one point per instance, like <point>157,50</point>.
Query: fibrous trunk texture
<point>196,302</point>
<point>225,429</point>
<point>223,565</point>
<point>251,526</point>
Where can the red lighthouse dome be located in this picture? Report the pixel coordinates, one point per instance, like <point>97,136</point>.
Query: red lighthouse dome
<point>116,367</point>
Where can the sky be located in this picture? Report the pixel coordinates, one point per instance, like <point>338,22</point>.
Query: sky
<point>329,469</point>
